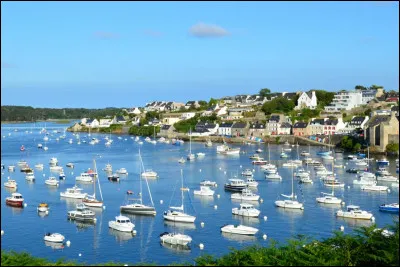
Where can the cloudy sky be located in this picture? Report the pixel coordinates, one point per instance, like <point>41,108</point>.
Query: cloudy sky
<point>102,54</point>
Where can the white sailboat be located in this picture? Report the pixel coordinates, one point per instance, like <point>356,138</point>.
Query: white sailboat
<point>190,156</point>
<point>90,200</point>
<point>178,214</point>
<point>329,198</point>
<point>290,203</point>
<point>138,207</point>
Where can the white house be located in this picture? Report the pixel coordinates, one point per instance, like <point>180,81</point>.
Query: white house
<point>307,100</point>
<point>118,120</point>
<point>92,123</point>
<point>187,115</point>
<point>135,111</point>
<point>345,100</point>
<point>225,129</point>
<point>105,123</point>
<point>210,128</point>
<point>285,128</point>
<point>356,122</point>
<point>221,111</point>
<point>83,121</point>
<point>333,126</point>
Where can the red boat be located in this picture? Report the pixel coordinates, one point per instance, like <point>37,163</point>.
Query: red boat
<point>22,148</point>
<point>16,200</point>
<point>259,162</point>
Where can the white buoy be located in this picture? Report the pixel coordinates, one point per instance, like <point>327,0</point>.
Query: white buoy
<point>161,201</point>
<point>388,190</point>
<point>80,254</point>
<point>201,246</point>
<point>348,187</point>
<point>134,232</point>
<point>104,207</point>
<point>224,172</point>
<point>220,168</point>
<point>240,166</point>
<point>343,203</point>
<point>254,170</point>
<point>2,232</point>
<point>47,212</point>
<point>342,228</point>
<point>44,175</point>
<point>202,224</point>
<point>218,196</point>
<point>265,218</point>
<point>215,207</point>
<point>264,236</point>
<point>261,200</point>
<point>72,173</point>
<point>373,219</point>
<point>68,243</point>
<point>25,205</point>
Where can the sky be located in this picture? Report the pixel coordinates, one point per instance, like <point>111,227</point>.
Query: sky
<point>125,54</point>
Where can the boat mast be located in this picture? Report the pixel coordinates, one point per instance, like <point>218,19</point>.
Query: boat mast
<point>292,185</point>
<point>269,154</point>
<point>183,209</point>
<point>140,174</point>
<point>333,186</point>
<point>148,188</point>
<point>190,142</point>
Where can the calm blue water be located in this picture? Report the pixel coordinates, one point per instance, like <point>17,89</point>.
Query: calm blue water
<point>24,228</point>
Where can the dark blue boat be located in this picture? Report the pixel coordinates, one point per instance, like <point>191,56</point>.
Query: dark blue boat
<point>394,207</point>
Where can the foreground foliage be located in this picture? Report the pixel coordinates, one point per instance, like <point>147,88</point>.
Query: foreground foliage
<point>367,246</point>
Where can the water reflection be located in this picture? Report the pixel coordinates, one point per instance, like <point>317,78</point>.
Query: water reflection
<point>179,249</point>
<point>180,225</point>
<point>54,245</point>
<point>121,237</point>
<point>356,222</point>
<point>246,220</point>
<point>71,202</point>
<point>239,238</point>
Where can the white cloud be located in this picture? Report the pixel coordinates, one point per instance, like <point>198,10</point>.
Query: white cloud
<point>203,30</point>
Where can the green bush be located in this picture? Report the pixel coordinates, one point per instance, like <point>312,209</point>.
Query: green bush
<point>392,148</point>
<point>143,130</point>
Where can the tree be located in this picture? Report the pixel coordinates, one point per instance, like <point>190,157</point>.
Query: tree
<point>324,98</point>
<point>265,92</point>
<point>360,87</point>
<point>212,102</point>
<point>203,103</point>
<point>277,105</point>
<point>374,87</point>
<point>392,148</point>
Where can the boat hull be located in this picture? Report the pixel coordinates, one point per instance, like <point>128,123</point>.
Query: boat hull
<point>144,210</point>
<point>14,203</point>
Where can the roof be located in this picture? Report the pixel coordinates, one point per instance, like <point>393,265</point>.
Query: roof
<point>274,118</point>
<point>89,121</point>
<point>300,124</point>
<point>309,94</point>
<point>331,122</point>
<point>165,127</point>
<point>286,125</point>
<point>290,95</point>
<point>376,120</point>
<point>317,121</point>
<point>257,126</point>
<point>239,125</point>
<point>357,120</point>
<point>201,130</point>
<point>120,118</point>
<point>226,124</point>
<point>395,108</point>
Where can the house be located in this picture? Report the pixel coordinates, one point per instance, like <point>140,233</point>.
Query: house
<point>211,128</point>
<point>134,110</point>
<point>333,125</point>
<point>187,115</point>
<point>92,123</point>
<point>345,100</point>
<point>190,104</point>
<point>76,127</point>
<point>173,106</point>
<point>154,122</point>
<point>118,120</point>
<point>257,129</point>
<point>392,96</point>
<point>273,124</point>
<point>239,129</point>
<point>104,123</point>
<point>200,132</point>
<point>83,121</point>
<point>367,95</point>
<point>307,100</point>
<point>227,100</point>
<point>285,129</point>
<point>316,126</point>
<point>221,111</point>
<point>171,119</point>
<point>382,130</point>
<point>357,122</point>
<point>225,129</point>
<point>289,96</point>
<point>300,128</point>
<point>167,131</point>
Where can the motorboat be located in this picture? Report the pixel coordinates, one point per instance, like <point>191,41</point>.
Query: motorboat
<point>52,181</point>
<point>287,149</point>
<point>11,184</point>
<point>247,172</point>
<point>255,156</point>
<point>301,173</point>
<point>61,175</point>
<point>353,170</point>
<point>121,223</point>
<point>246,194</point>
<point>393,207</point>
<point>236,185</point>
<point>327,157</point>
<point>182,160</point>
<point>113,177</point>
<point>283,155</point>
<point>200,155</point>
<point>383,162</point>
<point>122,171</point>
<point>387,178</point>
<point>289,164</point>
<point>74,192</point>
<point>322,153</point>
<point>39,146</point>
<point>175,239</point>
<point>328,199</point>
<point>306,180</point>
<point>239,229</point>
<point>82,213</point>
<point>22,163</point>
<point>382,171</point>
<point>108,168</point>
<point>43,207</point>
<point>54,237</point>
<point>16,200</point>
<point>305,154</point>
<point>11,168</point>
<point>226,150</point>
<point>208,183</point>
<point>259,150</point>
<point>273,176</point>
<point>30,176</point>
<point>70,165</point>
<point>251,182</point>
<point>354,212</point>
<point>259,161</point>
<point>84,177</point>
<point>204,191</point>
<point>53,161</point>
<point>149,173</point>
<point>365,181</point>
<point>247,210</point>
<point>334,183</point>
<point>374,187</point>
<point>26,169</point>
<point>56,168</point>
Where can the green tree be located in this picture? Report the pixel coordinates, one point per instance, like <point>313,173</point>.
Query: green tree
<point>278,105</point>
<point>360,87</point>
<point>374,87</point>
<point>392,148</point>
<point>212,102</point>
<point>264,92</point>
<point>324,98</point>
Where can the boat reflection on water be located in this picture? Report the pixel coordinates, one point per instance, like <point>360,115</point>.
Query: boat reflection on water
<point>246,220</point>
<point>179,249</point>
<point>54,245</point>
<point>356,222</point>
<point>204,200</point>
<point>291,213</point>
<point>121,237</point>
<point>239,238</point>
<point>71,202</point>
<point>255,203</point>
<point>180,225</point>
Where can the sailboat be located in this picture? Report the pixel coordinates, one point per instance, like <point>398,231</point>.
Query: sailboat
<point>329,198</point>
<point>139,207</point>
<point>154,134</point>
<point>290,203</point>
<point>177,214</point>
<point>190,156</point>
<point>89,200</point>
<point>328,156</point>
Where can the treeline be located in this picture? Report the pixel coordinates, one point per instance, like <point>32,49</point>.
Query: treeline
<point>144,130</point>
<point>27,113</point>
<point>368,246</point>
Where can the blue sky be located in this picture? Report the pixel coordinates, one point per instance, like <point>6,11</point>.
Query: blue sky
<point>122,54</point>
